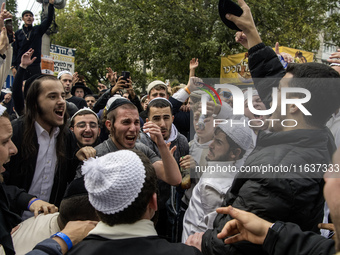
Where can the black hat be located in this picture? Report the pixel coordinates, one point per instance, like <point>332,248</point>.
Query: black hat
<point>228,6</point>
<point>119,101</point>
<point>26,11</point>
<point>81,86</point>
<point>76,188</point>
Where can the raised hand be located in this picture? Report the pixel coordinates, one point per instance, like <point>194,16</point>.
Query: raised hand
<point>26,58</point>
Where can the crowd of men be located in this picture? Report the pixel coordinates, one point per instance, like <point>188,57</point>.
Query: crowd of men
<point>164,173</point>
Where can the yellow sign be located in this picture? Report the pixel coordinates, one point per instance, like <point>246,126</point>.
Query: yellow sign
<point>236,66</point>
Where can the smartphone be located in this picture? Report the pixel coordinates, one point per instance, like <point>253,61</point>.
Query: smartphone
<point>126,76</point>
<point>9,28</point>
<point>229,6</point>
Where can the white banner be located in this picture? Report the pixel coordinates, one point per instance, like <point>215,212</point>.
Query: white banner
<point>63,58</point>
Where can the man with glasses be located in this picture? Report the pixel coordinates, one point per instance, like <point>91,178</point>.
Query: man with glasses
<point>85,126</point>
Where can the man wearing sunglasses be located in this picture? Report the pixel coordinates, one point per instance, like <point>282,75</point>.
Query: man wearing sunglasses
<point>226,96</point>
<point>85,126</point>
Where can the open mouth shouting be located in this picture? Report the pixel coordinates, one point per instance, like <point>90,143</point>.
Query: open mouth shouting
<point>60,113</point>
<point>130,140</point>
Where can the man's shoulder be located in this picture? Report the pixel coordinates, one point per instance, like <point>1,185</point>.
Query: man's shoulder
<point>105,147</point>
<point>142,147</point>
<point>144,139</point>
<point>182,139</point>
<point>75,99</point>
<point>78,101</point>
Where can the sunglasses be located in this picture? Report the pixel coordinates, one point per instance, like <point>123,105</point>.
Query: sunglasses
<point>226,94</point>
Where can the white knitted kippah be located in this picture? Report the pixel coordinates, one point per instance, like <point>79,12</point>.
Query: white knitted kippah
<point>114,180</point>
<point>63,72</point>
<point>241,135</point>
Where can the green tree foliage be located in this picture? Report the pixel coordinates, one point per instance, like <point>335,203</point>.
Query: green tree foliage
<point>162,36</point>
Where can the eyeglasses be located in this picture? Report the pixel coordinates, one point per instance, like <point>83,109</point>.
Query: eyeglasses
<point>84,124</point>
<point>226,94</point>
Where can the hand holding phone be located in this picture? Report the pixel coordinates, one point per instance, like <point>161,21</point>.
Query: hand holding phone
<point>126,76</point>
<point>9,28</point>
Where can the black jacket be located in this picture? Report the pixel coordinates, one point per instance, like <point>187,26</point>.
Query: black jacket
<point>287,238</point>
<point>20,171</point>
<point>34,33</point>
<point>273,196</point>
<point>94,244</point>
<point>182,119</point>
<point>10,197</point>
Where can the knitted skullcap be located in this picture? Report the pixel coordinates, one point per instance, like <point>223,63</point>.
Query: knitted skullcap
<point>86,110</point>
<point>154,84</point>
<point>255,93</point>
<point>63,72</point>
<point>161,98</point>
<point>115,102</point>
<point>114,180</point>
<point>241,135</point>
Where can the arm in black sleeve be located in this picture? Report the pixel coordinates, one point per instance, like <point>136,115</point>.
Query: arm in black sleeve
<point>15,51</point>
<point>288,238</point>
<point>181,119</point>
<point>264,63</point>
<point>17,94</point>
<point>101,102</point>
<point>137,103</point>
<point>18,198</point>
<point>45,24</point>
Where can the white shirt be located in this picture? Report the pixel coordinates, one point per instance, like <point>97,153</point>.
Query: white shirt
<point>43,178</point>
<point>141,228</point>
<point>207,195</point>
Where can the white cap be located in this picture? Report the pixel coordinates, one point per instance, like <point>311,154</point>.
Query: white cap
<point>114,180</point>
<point>241,135</point>
<point>63,72</point>
<point>154,84</point>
